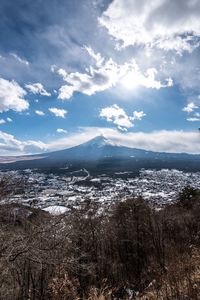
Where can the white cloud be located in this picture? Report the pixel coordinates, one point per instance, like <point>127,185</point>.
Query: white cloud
<point>58,112</point>
<point>2,121</point>
<point>12,96</point>
<point>190,107</point>
<point>96,56</point>
<point>193,119</point>
<point>39,113</point>
<point>138,115</point>
<point>37,88</point>
<point>9,145</point>
<point>61,130</point>
<point>118,116</point>
<point>165,24</point>
<point>19,59</point>
<point>105,74</point>
<point>134,78</point>
<point>161,141</point>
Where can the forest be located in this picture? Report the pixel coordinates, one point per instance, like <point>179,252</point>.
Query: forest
<point>127,250</point>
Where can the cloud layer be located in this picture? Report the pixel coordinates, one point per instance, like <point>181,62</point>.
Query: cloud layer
<point>161,141</point>
<point>9,145</point>
<point>165,24</point>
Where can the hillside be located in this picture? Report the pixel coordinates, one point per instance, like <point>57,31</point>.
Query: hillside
<point>92,252</point>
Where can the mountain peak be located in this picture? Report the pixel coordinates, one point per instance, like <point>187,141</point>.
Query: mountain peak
<point>98,141</point>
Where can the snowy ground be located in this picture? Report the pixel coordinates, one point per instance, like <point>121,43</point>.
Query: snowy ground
<point>57,193</point>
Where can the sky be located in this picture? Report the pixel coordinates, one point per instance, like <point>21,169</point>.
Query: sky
<point>71,70</point>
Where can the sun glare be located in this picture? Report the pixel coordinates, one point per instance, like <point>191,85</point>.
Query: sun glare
<point>130,82</point>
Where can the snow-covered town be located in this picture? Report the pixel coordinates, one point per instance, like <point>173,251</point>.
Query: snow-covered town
<point>58,193</point>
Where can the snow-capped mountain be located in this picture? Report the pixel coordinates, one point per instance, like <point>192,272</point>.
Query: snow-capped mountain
<point>98,148</point>
<point>101,153</point>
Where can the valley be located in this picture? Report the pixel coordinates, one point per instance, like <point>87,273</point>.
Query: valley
<point>59,193</point>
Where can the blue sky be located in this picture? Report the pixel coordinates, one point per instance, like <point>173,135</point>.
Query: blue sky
<point>127,69</point>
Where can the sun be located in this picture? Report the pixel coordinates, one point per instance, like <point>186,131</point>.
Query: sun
<point>130,81</point>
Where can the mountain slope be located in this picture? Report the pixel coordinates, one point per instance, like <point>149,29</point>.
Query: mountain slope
<point>95,149</point>
<point>100,148</point>
<point>101,155</point>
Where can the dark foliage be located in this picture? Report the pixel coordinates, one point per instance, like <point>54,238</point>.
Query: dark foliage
<point>126,250</point>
